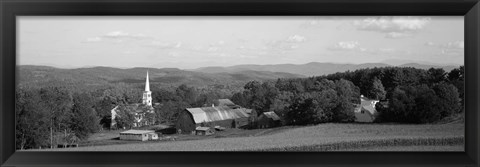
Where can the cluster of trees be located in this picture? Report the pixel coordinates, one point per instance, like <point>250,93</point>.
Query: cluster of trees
<point>41,114</point>
<point>409,95</point>
<point>302,101</point>
<point>413,95</point>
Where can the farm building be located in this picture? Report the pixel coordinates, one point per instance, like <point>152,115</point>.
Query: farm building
<point>223,116</point>
<point>268,120</point>
<point>140,135</point>
<point>365,112</point>
<point>204,131</point>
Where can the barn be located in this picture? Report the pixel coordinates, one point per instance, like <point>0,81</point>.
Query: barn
<point>365,112</point>
<point>223,116</point>
<point>268,120</point>
<point>140,135</point>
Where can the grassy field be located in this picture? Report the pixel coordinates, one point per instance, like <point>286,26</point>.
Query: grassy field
<point>323,137</point>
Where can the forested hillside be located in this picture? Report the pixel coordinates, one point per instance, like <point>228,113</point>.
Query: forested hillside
<point>99,76</point>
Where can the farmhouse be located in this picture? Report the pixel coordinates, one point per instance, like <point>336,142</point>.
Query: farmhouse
<point>268,120</point>
<point>140,135</point>
<point>140,111</point>
<point>223,116</point>
<point>365,112</point>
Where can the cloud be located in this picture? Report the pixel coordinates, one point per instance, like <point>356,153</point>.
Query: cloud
<point>455,47</point>
<point>94,39</point>
<point>296,39</point>
<point>429,44</point>
<point>166,45</point>
<point>212,49</point>
<point>393,35</point>
<point>346,46</point>
<point>393,26</point>
<point>121,34</point>
<point>116,36</point>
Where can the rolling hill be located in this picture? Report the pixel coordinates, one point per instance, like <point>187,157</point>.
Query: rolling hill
<point>311,69</point>
<point>42,75</point>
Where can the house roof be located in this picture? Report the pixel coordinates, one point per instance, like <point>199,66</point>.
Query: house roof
<point>272,115</point>
<point>211,114</point>
<point>368,104</point>
<point>133,131</point>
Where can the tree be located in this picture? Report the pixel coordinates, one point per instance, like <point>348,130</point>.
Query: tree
<point>306,110</point>
<point>125,116</point>
<point>448,96</point>
<point>168,112</point>
<point>32,128</point>
<point>457,78</point>
<point>58,103</point>
<point>377,91</point>
<point>436,75</point>
<point>281,103</point>
<point>84,120</point>
<point>348,94</point>
<point>240,99</point>
<point>187,94</point>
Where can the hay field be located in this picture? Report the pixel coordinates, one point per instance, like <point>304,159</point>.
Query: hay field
<point>322,137</point>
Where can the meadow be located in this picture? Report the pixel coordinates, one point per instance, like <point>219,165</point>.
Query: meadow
<point>322,137</point>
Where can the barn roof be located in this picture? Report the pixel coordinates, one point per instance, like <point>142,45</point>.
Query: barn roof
<point>211,114</point>
<point>272,115</point>
<point>133,131</point>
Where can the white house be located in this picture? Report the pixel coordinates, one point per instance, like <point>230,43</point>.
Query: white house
<point>365,112</point>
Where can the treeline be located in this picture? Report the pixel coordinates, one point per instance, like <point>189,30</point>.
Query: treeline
<point>408,95</point>
<point>412,95</point>
<point>302,101</point>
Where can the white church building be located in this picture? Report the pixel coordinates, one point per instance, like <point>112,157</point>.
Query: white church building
<point>139,111</point>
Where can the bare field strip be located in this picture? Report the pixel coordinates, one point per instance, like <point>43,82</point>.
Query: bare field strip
<point>308,136</point>
<point>384,143</point>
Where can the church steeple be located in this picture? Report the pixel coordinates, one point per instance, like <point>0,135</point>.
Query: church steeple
<point>147,84</point>
<point>147,94</point>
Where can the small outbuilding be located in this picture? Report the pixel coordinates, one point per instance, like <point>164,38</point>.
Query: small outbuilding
<point>268,120</point>
<point>139,135</point>
<point>204,131</point>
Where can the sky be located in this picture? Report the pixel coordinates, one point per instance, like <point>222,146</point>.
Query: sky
<point>189,42</point>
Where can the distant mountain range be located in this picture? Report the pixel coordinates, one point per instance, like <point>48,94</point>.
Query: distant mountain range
<point>41,75</point>
<point>313,69</point>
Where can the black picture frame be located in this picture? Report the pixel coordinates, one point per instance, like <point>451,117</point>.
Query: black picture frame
<point>470,9</point>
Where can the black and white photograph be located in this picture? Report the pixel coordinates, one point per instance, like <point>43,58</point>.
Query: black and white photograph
<point>240,83</point>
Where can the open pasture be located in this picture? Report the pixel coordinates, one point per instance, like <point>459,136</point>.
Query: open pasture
<point>331,135</point>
